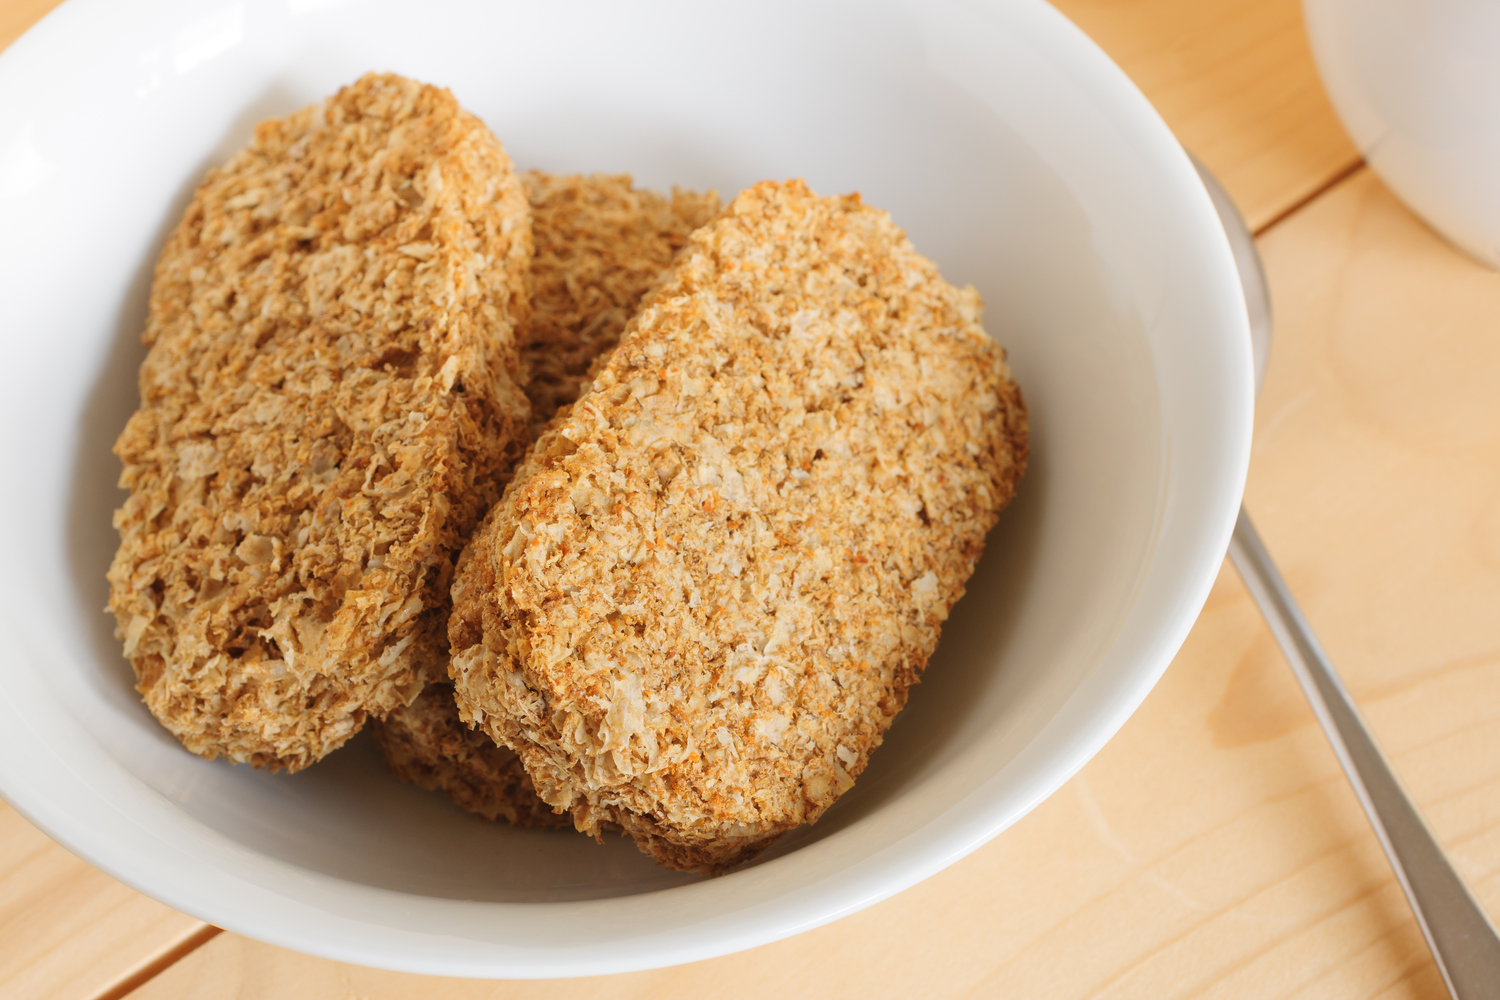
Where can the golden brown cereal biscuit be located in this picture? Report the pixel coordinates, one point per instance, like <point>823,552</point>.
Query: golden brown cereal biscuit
<point>427,744</point>
<point>600,244</point>
<point>706,593</point>
<point>326,408</point>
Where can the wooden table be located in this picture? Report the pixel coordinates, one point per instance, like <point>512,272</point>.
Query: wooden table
<point>1213,847</point>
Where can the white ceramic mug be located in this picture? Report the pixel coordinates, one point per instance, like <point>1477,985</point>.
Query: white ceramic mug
<point>1417,84</point>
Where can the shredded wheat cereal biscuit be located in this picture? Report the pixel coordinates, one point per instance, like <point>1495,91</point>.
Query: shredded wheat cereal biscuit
<point>327,405</point>
<point>600,244</point>
<point>711,583</point>
<point>427,744</point>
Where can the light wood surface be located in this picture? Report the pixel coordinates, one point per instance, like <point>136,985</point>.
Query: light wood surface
<point>1213,849</point>
<point>68,930</point>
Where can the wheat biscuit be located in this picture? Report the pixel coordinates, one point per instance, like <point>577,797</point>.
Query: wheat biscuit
<point>712,582</point>
<point>600,244</point>
<point>328,402</point>
<point>427,744</point>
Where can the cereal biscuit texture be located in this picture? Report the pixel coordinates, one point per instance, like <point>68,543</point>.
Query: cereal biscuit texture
<point>710,585</point>
<point>427,744</point>
<point>328,402</point>
<point>600,245</point>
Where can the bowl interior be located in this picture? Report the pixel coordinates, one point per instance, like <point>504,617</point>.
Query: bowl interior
<point>1012,153</point>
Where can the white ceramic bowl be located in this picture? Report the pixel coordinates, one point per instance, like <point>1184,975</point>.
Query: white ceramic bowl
<point>1012,150</point>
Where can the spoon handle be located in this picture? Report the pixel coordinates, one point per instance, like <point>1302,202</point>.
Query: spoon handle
<point>1462,939</point>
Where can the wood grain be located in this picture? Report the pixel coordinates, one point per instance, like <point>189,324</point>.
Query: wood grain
<point>1213,849</point>
<point>1235,81</point>
<point>67,930</point>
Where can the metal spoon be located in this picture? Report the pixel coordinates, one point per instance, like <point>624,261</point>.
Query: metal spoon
<point>1462,939</point>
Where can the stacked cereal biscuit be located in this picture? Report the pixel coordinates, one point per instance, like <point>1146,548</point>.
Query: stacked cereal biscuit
<point>711,579</point>
<point>706,593</point>
<point>600,245</point>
